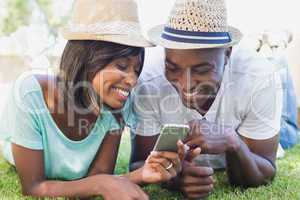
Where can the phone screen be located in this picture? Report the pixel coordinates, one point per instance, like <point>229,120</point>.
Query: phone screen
<point>169,135</point>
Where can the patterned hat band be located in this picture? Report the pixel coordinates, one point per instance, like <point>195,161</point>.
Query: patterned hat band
<point>194,37</point>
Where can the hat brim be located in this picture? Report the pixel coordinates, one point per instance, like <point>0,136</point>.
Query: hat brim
<point>129,40</point>
<point>156,32</point>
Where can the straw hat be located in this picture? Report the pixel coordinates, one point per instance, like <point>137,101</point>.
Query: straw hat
<point>106,20</point>
<point>196,24</point>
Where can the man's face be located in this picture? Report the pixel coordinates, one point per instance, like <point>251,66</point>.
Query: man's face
<point>196,74</point>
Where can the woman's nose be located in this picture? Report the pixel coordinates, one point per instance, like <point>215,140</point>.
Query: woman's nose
<point>131,78</point>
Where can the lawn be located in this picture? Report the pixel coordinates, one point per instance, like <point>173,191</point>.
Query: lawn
<point>286,186</point>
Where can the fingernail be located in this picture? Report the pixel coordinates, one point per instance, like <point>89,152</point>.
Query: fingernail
<point>186,147</point>
<point>154,153</point>
<point>198,150</point>
<point>180,142</point>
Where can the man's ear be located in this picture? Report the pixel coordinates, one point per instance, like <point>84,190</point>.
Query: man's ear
<point>227,54</point>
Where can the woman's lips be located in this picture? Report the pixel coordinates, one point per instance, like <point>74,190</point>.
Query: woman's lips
<point>121,93</point>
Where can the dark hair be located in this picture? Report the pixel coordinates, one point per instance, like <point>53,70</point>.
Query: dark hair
<point>80,62</point>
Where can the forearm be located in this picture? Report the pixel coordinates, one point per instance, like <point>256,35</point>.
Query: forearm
<point>83,188</point>
<point>247,169</point>
<point>135,176</point>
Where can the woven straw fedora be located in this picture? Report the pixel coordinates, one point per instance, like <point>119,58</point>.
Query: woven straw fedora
<point>196,24</point>
<point>106,20</point>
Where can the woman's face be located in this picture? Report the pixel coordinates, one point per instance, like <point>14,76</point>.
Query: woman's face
<point>115,81</point>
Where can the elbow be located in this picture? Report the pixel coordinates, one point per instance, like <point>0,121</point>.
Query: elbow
<point>258,180</point>
<point>262,180</point>
<point>35,190</point>
<point>266,178</point>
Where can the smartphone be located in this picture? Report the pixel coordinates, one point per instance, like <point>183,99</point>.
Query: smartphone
<point>169,135</point>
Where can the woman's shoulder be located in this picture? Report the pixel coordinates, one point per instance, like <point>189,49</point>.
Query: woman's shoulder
<point>25,84</point>
<point>30,88</point>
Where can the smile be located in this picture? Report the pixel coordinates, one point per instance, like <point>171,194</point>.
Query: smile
<point>190,95</point>
<point>122,92</point>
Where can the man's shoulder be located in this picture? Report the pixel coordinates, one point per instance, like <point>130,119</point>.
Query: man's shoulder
<point>247,63</point>
<point>249,70</point>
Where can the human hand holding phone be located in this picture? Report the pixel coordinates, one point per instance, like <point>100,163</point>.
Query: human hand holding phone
<point>162,166</point>
<point>170,134</point>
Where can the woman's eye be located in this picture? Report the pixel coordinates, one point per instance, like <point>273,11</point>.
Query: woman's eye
<point>137,70</point>
<point>122,66</point>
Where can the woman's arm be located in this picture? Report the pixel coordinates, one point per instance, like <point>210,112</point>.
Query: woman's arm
<point>30,168</point>
<point>105,160</point>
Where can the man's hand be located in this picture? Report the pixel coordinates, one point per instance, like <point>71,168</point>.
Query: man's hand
<point>212,138</point>
<point>196,181</point>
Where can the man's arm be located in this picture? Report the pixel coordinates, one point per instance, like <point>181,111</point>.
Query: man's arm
<point>252,162</point>
<point>249,162</point>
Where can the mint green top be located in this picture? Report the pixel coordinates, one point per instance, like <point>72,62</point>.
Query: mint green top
<point>26,121</point>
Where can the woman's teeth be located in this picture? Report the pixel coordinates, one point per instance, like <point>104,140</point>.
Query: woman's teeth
<point>122,92</point>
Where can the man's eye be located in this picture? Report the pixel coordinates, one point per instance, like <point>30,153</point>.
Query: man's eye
<point>201,70</point>
<point>171,68</point>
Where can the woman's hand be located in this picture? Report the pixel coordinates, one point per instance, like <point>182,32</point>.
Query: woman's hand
<point>163,166</point>
<point>121,188</point>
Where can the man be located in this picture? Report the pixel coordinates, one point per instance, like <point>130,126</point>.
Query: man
<point>230,97</point>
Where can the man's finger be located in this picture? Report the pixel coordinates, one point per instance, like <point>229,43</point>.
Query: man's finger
<point>199,189</point>
<point>192,180</point>
<point>198,171</point>
<point>193,154</point>
<point>197,196</point>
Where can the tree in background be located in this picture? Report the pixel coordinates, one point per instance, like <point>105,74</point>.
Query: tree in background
<point>19,13</point>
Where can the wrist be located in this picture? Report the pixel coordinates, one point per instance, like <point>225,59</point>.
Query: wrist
<point>102,182</point>
<point>135,176</point>
<point>233,143</point>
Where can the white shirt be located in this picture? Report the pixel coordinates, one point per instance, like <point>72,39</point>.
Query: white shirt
<point>249,99</point>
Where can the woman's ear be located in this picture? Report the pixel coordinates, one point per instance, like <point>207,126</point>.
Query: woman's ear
<point>227,54</point>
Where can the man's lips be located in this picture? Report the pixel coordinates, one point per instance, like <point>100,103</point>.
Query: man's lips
<point>189,94</point>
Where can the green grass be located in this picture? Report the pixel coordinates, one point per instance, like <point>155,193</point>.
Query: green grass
<point>286,185</point>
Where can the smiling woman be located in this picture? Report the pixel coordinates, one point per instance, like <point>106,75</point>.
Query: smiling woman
<point>93,56</point>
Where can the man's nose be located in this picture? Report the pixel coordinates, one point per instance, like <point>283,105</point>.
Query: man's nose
<point>185,81</point>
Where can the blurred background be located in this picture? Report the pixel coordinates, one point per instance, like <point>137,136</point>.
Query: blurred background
<point>30,37</point>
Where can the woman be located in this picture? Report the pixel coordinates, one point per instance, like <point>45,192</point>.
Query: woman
<point>63,131</point>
